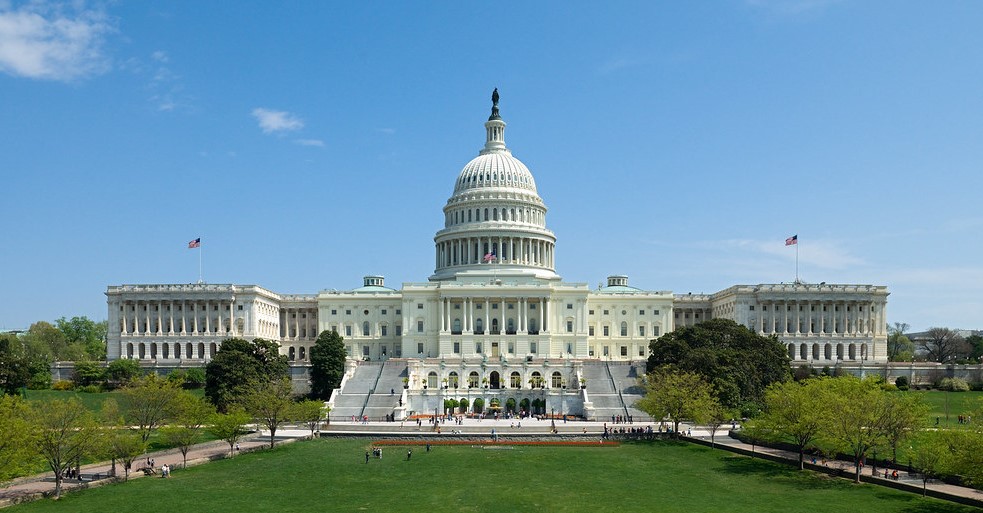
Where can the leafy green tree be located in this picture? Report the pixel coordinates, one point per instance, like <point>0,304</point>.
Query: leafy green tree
<point>796,412</point>
<point>18,437</point>
<point>147,402</point>
<point>67,433</point>
<point>119,441</point>
<point>230,426</point>
<point>189,413</point>
<point>88,373</point>
<point>120,372</point>
<point>84,335</point>
<point>271,402</point>
<point>739,363</point>
<point>716,416</point>
<point>899,347</point>
<point>44,337</point>
<point>15,371</point>
<point>976,344</point>
<point>905,416</point>
<point>327,364</point>
<point>677,396</point>
<point>859,414</point>
<point>933,455</point>
<point>310,412</point>
<point>238,366</point>
<point>194,378</point>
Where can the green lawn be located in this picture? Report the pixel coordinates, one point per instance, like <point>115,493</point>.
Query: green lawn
<point>959,403</point>
<point>330,475</point>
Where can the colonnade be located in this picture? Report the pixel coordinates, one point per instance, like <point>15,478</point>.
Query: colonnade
<point>179,317</point>
<point>508,250</point>
<point>298,323</point>
<point>847,318</point>
<point>528,315</point>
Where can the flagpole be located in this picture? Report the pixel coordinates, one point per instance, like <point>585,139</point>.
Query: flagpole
<point>199,262</point>
<point>796,260</point>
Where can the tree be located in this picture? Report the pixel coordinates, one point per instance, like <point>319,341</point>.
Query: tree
<point>796,412</point>
<point>976,344</point>
<point>943,344</point>
<point>42,336</point>
<point>88,373</point>
<point>310,412</point>
<point>899,347</point>
<point>905,415</point>
<point>238,366</point>
<point>119,442</point>
<point>327,364</point>
<point>858,416</point>
<point>716,417</point>
<point>676,395</point>
<point>147,402</point>
<point>120,372</point>
<point>271,403</point>
<point>230,426</point>
<point>190,413</point>
<point>15,371</point>
<point>85,336</point>
<point>931,456</point>
<point>18,436</point>
<point>67,432</point>
<point>737,362</point>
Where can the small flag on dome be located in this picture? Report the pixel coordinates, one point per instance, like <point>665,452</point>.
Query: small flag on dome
<point>792,240</point>
<point>490,256</point>
<point>195,243</point>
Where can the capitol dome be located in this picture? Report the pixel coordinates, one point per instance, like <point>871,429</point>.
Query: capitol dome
<point>495,221</point>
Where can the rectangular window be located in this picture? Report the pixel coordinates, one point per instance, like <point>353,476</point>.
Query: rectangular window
<point>655,331</point>
<point>419,306</point>
<point>334,329</point>
<point>419,326</point>
<point>606,351</point>
<point>457,347</point>
<point>383,311</point>
<point>240,308</point>
<point>365,351</point>
<point>532,306</point>
<point>764,308</point>
<point>479,306</point>
<point>334,312</point>
<point>751,308</point>
<point>494,306</point>
<point>511,306</point>
<point>641,312</point>
<point>641,331</point>
<point>655,312</point>
<point>385,330</point>
<point>419,348</point>
<point>399,330</point>
<point>348,331</point>
<point>532,348</point>
<point>348,312</point>
<point>569,348</point>
<point>607,331</point>
<point>457,306</point>
<point>605,312</point>
<point>399,311</point>
<point>624,350</point>
<point>641,351</point>
<point>569,326</point>
<point>477,347</point>
<point>590,312</point>
<point>590,331</point>
<point>569,306</point>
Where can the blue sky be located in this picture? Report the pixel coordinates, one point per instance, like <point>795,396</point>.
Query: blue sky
<point>311,143</point>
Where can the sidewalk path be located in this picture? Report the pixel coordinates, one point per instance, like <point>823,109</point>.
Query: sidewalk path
<point>27,488</point>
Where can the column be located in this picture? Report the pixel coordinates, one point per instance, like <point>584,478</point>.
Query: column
<point>196,317</point>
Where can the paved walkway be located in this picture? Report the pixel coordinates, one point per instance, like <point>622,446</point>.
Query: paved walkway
<point>33,486</point>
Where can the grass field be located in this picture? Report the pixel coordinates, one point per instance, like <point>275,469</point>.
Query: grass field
<point>959,403</point>
<point>331,475</point>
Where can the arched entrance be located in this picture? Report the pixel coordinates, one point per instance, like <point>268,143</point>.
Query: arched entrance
<point>494,378</point>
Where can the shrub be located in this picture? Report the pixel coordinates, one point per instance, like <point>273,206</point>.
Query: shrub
<point>902,383</point>
<point>62,385</point>
<point>802,372</point>
<point>194,378</point>
<point>954,385</point>
<point>91,389</point>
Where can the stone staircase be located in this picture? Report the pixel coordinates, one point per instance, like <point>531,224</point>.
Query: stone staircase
<point>613,388</point>
<point>355,394</point>
<point>388,390</point>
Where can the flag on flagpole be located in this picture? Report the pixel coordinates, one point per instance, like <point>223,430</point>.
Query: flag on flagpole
<point>195,243</point>
<point>489,257</point>
<point>792,240</point>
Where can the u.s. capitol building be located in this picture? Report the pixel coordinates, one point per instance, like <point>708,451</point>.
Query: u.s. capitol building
<point>494,321</point>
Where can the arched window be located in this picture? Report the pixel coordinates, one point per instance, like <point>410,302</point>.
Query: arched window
<point>469,215</point>
<point>556,380</point>
<point>486,214</point>
<point>201,350</point>
<point>290,354</point>
<point>177,350</point>
<point>624,329</point>
<point>532,327</point>
<point>456,328</point>
<point>511,327</point>
<point>479,325</point>
<point>536,381</point>
<point>473,379</point>
<point>515,380</point>
<point>153,350</point>
<point>303,353</point>
<point>365,328</point>
<point>129,350</point>
<point>212,349</point>
<point>452,380</point>
<point>143,351</point>
<point>432,379</point>
<point>494,326</point>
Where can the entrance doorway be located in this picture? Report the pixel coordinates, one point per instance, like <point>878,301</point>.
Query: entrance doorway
<point>495,379</point>
<point>494,350</point>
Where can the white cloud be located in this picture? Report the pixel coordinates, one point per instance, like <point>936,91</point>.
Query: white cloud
<point>49,41</point>
<point>274,121</point>
<point>310,142</point>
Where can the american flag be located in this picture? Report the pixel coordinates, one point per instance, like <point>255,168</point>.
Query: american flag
<point>195,243</point>
<point>489,257</point>
<point>792,240</point>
